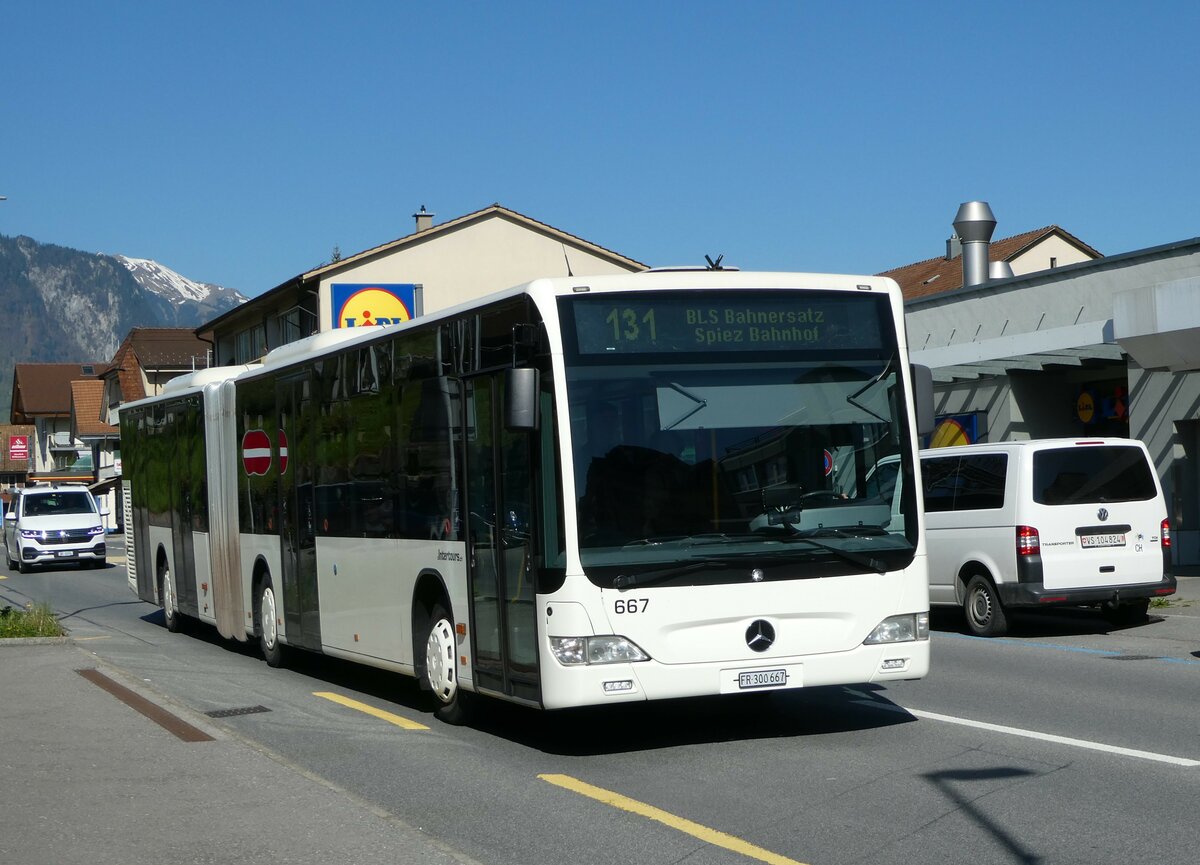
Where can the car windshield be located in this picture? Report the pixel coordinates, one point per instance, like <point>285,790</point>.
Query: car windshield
<point>722,458</point>
<point>53,504</point>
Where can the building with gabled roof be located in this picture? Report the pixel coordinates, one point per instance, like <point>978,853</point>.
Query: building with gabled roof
<point>41,397</point>
<point>147,359</point>
<point>1100,346</point>
<point>1041,249</point>
<point>102,439</point>
<point>439,265</point>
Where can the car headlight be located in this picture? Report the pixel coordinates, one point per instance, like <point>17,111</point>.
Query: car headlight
<point>96,530</point>
<point>608,649</point>
<point>32,534</point>
<point>900,629</point>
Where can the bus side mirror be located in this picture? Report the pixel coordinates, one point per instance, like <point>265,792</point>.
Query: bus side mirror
<point>922,379</point>
<point>521,387</point>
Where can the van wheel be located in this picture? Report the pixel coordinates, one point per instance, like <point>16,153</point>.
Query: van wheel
<point>1128,613</point>
<point>984,612</point>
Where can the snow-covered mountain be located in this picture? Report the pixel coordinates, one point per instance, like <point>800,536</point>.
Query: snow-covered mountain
<point>61,305</point>
<point>178,290</point>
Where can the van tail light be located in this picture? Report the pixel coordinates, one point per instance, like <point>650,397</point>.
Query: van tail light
<point>1164,532</point>
<point>1028,542</point>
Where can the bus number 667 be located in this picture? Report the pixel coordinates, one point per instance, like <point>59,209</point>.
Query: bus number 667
<point>633,605</point>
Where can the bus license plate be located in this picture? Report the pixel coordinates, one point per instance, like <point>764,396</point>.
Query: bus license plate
<point>1102,540</point>
<point>762,679</point>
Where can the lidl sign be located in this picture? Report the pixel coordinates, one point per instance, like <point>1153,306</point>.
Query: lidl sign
<point>369,304</point>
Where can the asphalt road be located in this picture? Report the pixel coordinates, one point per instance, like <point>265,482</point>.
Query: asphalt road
<point>1065,742</point>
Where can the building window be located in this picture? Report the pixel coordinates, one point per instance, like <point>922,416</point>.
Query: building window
<point>251,344</point>
<point>296,323</point>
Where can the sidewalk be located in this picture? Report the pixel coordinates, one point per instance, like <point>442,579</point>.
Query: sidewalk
<point>87,779</point>
<point>1185,601</point>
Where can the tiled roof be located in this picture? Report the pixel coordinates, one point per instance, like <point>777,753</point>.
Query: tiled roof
<point>155,348</point>
<point>45,388</point>
<point>86,404</point>
<point>937,275</point>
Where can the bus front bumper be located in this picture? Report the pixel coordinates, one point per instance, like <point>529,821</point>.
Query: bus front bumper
<point>589,685</point>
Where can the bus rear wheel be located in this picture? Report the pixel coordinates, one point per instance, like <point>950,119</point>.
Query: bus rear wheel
<point>441,668</point>
<point>268,624</point>
<point>166,591</point>
<point>984,612</point>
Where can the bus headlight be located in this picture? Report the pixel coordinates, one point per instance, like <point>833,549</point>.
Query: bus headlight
<point>608,649</point>
<point>900,629</point>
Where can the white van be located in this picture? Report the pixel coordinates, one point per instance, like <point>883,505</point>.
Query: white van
<point>1045,522</point>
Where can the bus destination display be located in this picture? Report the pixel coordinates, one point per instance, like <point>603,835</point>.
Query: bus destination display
<point>733,321</point>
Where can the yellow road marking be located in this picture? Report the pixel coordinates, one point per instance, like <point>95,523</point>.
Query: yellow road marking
<point>370,710</point>
<point>710,836</point>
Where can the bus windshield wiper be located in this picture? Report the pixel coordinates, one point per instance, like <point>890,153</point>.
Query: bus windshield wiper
<point>862,559</point>
<point>659,575</point>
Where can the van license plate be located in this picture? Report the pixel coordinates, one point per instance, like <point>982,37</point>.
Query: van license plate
<point>762,679</point>
<point>1102,540</point>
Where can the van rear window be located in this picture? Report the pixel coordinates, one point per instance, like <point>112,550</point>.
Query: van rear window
<point>1092,474</point>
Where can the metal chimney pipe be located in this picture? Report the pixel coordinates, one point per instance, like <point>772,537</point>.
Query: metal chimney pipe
<point>974,224</point>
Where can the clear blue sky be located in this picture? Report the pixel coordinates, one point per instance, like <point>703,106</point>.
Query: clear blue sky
<point>240,142</point>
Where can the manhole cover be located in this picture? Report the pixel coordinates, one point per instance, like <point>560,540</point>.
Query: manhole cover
<point>230,713</point>
<point>1133,657</point>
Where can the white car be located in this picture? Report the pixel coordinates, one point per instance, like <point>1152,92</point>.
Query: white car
<point>50,525</point>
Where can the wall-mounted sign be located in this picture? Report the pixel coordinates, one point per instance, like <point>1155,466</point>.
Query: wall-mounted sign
<point>958,429</point>
<point>370,304</point>
<point>1085,407</point>
<point>18,448</point>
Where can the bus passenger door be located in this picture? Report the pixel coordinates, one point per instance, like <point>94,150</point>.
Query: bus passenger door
<point>297,519</point>
<point>499,545</point>
<point>183,420</point>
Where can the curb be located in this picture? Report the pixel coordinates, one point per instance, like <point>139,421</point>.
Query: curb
<point>34,641</point>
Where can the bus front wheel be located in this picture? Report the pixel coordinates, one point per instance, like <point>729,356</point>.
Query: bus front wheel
<point>441,668</point>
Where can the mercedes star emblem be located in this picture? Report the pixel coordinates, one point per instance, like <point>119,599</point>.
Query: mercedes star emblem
<point>760,636</point>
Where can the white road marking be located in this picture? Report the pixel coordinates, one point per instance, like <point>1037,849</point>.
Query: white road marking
<point>1029,734</point>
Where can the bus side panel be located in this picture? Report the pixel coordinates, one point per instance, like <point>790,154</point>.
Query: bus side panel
<point>251,549</point>
<point>160,545</point>
<point>206,602</point>
<point>229,588</point>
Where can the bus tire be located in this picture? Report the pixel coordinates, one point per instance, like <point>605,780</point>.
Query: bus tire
<point>166,591</point>
<point>981,605</point>
<point>266,613</point>
<point>441,668</point>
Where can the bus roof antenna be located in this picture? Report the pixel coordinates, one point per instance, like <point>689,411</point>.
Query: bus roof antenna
<point>714,265</point>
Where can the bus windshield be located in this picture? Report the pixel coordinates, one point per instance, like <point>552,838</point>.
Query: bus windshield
<point>733,435</point>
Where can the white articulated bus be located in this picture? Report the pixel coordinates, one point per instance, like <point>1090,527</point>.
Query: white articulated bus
<point>578,491</point>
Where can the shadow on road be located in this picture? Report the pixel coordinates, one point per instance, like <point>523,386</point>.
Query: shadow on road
<point>599,730</point>
<point>1053,622</point>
